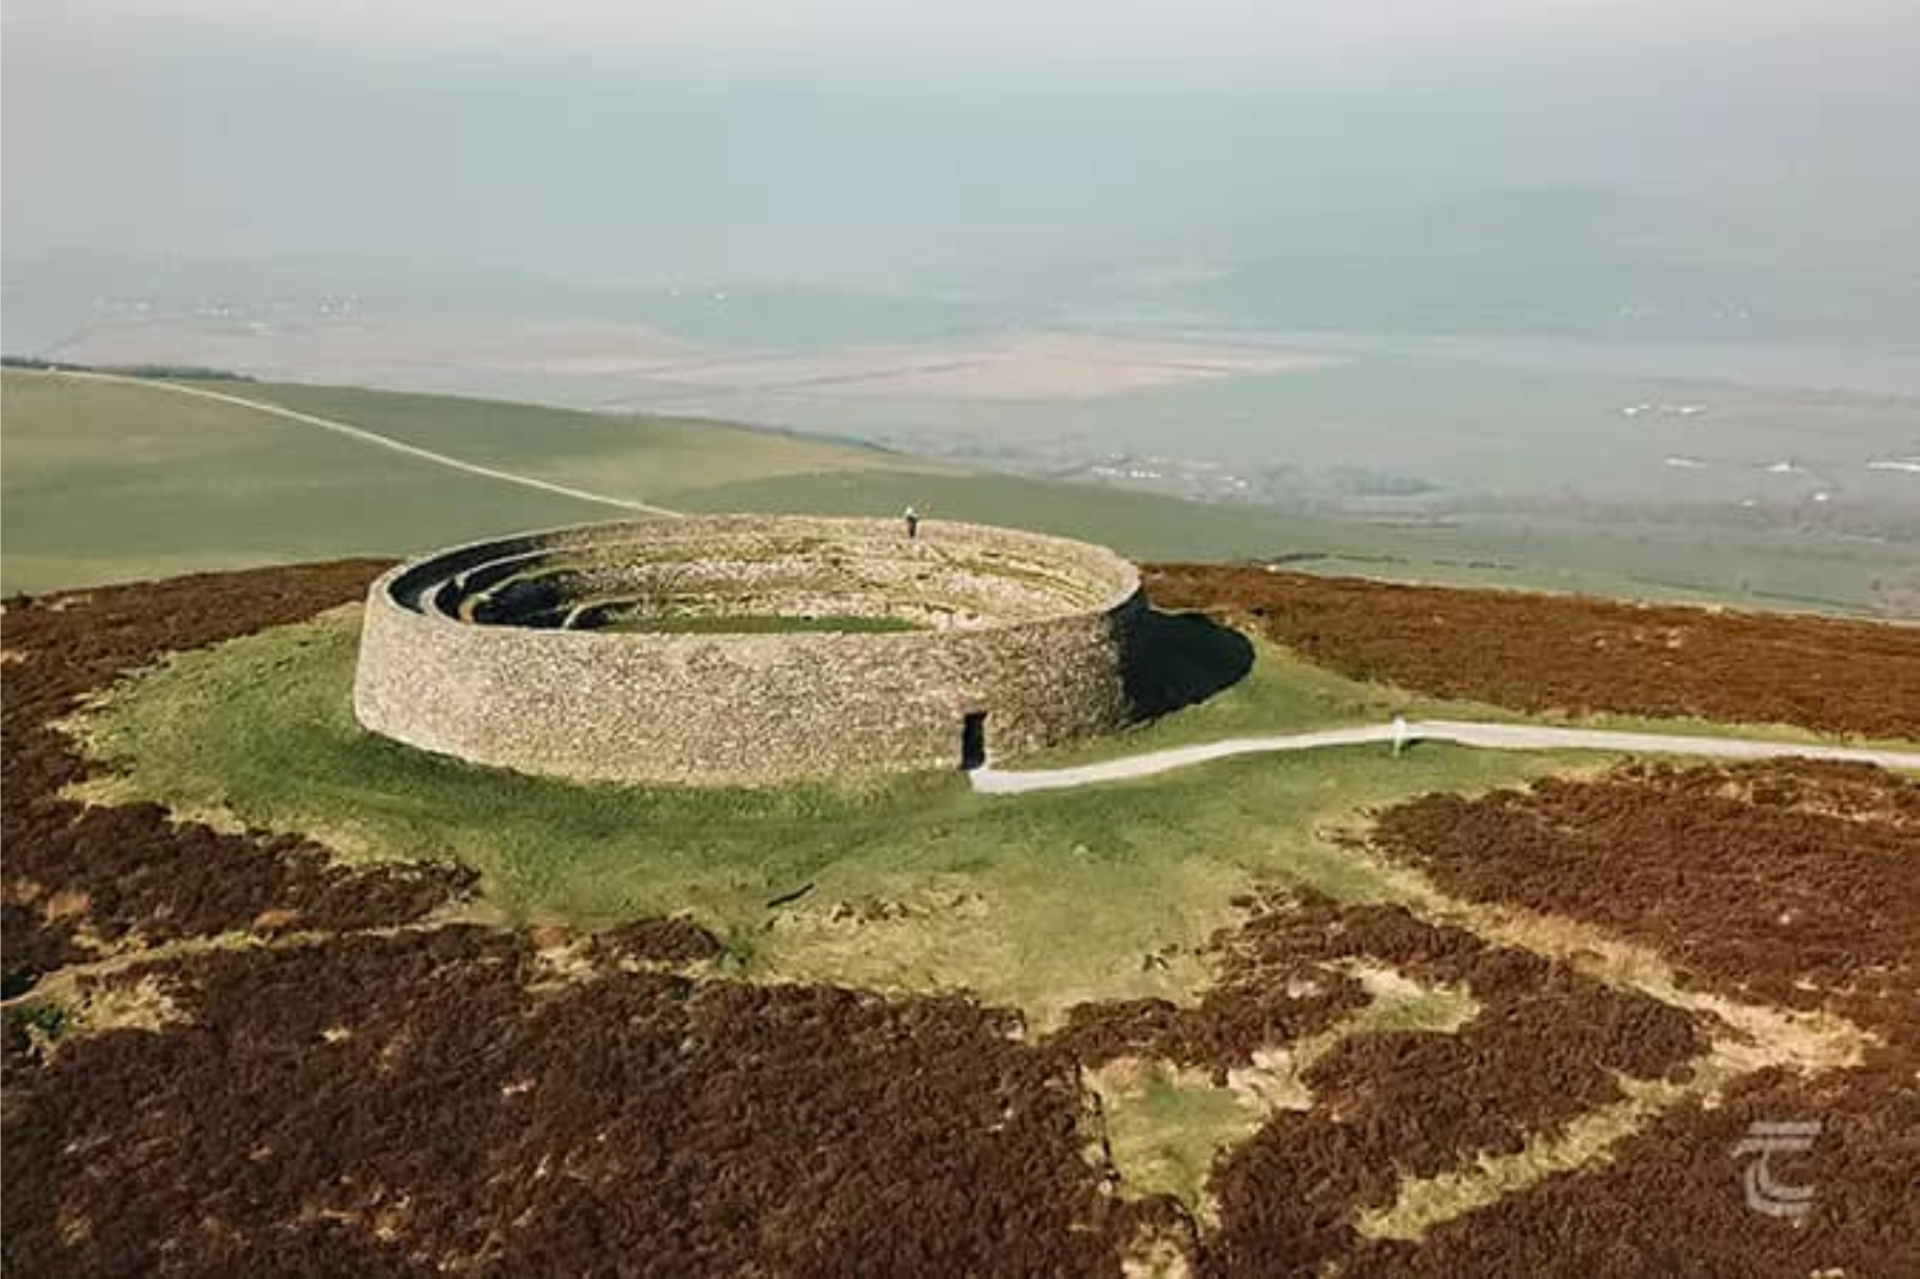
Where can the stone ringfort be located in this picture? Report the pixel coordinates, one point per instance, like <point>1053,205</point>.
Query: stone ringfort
<point>746,649</point>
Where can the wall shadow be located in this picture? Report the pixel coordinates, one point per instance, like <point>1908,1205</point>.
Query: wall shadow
<point>1179,659</point>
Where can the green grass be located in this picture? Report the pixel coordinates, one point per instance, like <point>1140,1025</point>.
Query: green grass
<point>757,624</point>
<point>45,1020</point>
<point>104,482</point>
<point>909,883</point>
<point>1165,1127</point>
<point>621,454</point>
<point>1280,693</point>
<point>108,482</point>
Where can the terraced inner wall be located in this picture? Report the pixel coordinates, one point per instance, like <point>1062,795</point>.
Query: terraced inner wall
<point>497,653</point>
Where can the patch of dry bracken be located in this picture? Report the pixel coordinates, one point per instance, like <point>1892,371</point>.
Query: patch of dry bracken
<point>378,1095</point>
<point>74,871</point>
<point>1575,654</point>
<point>420,1101</point>
<point>1797,883</point>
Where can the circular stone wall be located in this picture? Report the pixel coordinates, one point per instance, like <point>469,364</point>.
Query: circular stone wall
<point>749,649</point>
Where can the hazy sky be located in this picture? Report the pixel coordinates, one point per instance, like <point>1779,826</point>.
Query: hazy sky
<point>829,139</point>
<point>1190,28</point>
<point>1160,29</point>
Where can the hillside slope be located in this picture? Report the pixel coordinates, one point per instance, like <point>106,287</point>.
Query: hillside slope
<point>108,481</point>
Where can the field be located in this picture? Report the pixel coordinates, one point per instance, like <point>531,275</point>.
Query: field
<point>286,998</point>
<point>189,484</point>
<point>108,482</point>
<point>754,624</point>
<point>1675,484</point>
<point>1542,551</point>
<point>114,482</point>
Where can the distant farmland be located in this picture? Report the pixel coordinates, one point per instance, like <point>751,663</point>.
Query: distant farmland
<point>115,481</point>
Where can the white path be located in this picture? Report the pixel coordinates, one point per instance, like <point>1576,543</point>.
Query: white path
<point>1504,737</point>
<point>365,436</point>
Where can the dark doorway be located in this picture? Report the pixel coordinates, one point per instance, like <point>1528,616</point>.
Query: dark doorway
<point>973,740</point>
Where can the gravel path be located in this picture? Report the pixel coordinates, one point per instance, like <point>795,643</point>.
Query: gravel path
<point>1505,737</point>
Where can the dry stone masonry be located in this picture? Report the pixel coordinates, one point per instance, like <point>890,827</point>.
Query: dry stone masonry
<point>748,649</point>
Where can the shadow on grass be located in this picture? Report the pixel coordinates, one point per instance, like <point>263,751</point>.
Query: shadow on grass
<point>1180,659</point>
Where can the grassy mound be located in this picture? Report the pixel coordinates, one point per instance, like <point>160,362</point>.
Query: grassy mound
<point>912,883</point>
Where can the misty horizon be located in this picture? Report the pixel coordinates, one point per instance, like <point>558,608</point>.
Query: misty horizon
<point>1570,141</point>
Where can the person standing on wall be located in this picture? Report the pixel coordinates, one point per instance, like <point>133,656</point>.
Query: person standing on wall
<point>912,518</point>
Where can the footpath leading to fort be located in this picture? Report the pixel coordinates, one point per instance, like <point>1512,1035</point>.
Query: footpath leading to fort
<point>1484,736</point>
